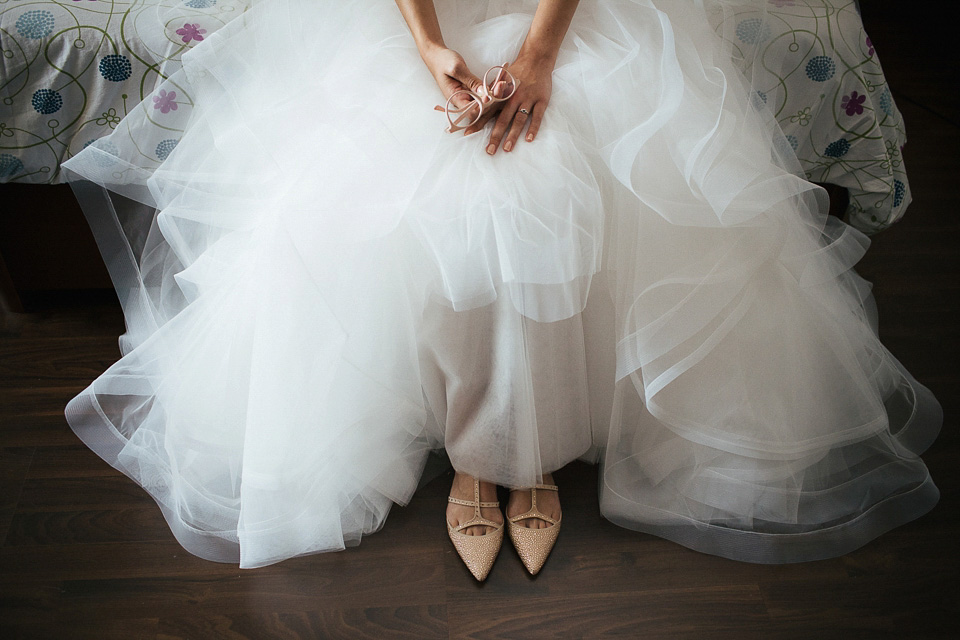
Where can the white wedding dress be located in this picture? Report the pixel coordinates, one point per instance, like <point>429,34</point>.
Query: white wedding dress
<point>321,286</point>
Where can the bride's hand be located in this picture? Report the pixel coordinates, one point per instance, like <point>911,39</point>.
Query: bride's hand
<point>451,73</point>
<point>534,74</point>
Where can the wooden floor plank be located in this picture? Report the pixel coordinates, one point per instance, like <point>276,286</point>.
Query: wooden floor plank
<point>373,623</point>
<point>676,613</point>
<point>159,578</point>
<point>14,466</point>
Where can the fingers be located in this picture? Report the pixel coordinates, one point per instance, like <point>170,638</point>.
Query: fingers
<point>509,116</point>
<point>488,113</point>
<point>498,90</point>
<point>463,75</point>
<point>511,113</point>
<point>519,120</point>
<point>500,127</point>
<point>535,119</point>
<point>498,86</point>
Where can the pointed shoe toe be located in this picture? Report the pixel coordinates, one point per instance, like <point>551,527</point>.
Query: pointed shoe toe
<point>477,552</point>
<point>533,545</point>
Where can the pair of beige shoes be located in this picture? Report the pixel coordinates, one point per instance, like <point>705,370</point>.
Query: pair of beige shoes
<point>479,552</point>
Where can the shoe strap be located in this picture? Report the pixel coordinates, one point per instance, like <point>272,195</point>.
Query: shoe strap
<point>548,487</point>
<point>471,503</point>
<point>478,521</point>
<point>476,504</point>
<point>534,512</point>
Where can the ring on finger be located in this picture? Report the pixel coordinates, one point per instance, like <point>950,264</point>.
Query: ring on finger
<point>523,111</point>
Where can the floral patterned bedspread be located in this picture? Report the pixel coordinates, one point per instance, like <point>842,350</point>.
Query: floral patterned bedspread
<point>817,69</point>
<point>71,69</point>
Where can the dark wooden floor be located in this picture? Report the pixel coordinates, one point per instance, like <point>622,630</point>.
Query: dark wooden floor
<point>86,554</point>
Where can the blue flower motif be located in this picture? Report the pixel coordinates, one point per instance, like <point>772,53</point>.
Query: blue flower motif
<point>783,145</point>
<point>837,148</point>
<point>103,145</point>
<point>886,102</point>
<point>200,4</point>
<point>34,24</point>
<point>9,165</point>
<point>752,31</point>
<point>794,143</point>
<point>110,151</point>
<point>821,68</point>
<point>165,147</point>
<point>115,67</point>
<point>899,191</point>
<point>759,99</point>
<point>46,101</point>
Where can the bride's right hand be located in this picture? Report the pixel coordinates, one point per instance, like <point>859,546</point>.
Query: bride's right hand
<point>451,73</point>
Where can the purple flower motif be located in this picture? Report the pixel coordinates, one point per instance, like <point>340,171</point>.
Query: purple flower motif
<point>191,32</point>
<point>165,101</point>
<point>853,103</point>
<point>870,49</point>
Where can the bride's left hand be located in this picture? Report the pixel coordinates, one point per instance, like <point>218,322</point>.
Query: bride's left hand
<point>532,95</point>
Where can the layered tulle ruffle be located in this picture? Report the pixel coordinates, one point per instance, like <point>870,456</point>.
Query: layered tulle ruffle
<point>279,267</point>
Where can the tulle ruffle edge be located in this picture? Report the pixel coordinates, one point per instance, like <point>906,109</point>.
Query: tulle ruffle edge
<point>713,246</point>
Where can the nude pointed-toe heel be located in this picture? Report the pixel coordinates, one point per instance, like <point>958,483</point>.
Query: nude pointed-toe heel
<point>477,552</point>
<point>534,545</point>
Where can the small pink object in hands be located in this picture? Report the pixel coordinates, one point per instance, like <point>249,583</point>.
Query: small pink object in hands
<point>498,85</point>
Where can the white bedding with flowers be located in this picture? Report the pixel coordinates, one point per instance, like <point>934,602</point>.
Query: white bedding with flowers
<point>71,69</point>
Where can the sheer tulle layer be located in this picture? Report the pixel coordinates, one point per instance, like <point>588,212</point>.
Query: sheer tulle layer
<point>314,223</point>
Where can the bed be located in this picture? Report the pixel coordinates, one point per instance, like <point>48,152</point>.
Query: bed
<point>71,69</point>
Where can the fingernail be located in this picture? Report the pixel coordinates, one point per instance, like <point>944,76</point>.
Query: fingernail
<point>529,137</point>
<point>508,146</point>
<point>491,148</point>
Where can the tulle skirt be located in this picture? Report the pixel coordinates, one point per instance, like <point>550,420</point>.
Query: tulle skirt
<point>321,287</point>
